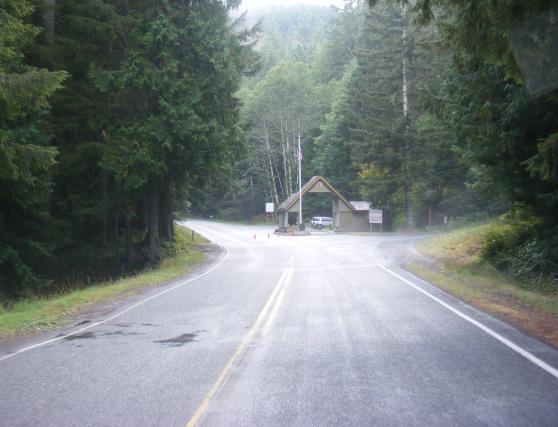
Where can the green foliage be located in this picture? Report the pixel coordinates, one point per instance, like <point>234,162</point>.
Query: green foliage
<point>290,93</point>
<point>526,249</point>
<point>405,164</point>
<point>182,243</point>
<point>501,242</point>
<point>292,33</point>
<point>375,115</point>
<point>231,214</point>
<point>536,261</point>
<point>332,151</point>
<point>34,314</point>
<point>544,164</point>
<point>147,114</point>
<point>175,102</point>
<point>149,122</point>
<point>284,102</point>
<point>336,53</point>
<point>26,159</point>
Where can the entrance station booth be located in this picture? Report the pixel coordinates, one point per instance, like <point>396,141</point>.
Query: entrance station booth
<point>347,216</point>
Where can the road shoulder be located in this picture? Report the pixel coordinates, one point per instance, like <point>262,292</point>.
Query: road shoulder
<point>531,312</point>
<point>97,312</point>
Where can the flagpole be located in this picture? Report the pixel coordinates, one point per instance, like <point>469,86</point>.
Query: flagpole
<point>299,182</point>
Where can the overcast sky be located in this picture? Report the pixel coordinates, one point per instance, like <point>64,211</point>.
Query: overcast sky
<point>254,4</point>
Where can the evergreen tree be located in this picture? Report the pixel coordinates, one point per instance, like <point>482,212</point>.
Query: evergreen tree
<point>177,114</point>
<point>338,50</point>
<point>147,115</point>
<point>333,157</point>
<point>376,115</point>
<point>26,158</point>
<point>87,35</point>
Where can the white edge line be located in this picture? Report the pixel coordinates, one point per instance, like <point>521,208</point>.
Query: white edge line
<point>120,313</point>
<point>529,356</point>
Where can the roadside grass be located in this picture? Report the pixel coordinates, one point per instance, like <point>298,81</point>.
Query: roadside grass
<point>453,263</point>
<point>33,315</point>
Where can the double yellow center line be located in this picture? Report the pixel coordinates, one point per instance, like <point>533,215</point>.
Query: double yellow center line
<point>265,318</point>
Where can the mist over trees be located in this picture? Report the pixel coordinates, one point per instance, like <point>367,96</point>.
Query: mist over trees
<point>346,98</point>
<point>441,107</point>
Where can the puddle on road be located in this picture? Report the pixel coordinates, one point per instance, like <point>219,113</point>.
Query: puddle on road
<point>127,325</point>
<point>83,322</point>
<point>177,341</point>
<point>180,340</point>
<point>82,336</point>
<point>94,335</point>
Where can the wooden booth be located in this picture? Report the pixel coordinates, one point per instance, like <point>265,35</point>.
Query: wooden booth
<point>347,216</point>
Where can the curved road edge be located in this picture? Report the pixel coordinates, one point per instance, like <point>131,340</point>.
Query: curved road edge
<point>12,348</point>
<point>537,352</point>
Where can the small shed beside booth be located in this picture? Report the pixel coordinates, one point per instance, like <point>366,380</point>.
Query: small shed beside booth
<point>347,216</point>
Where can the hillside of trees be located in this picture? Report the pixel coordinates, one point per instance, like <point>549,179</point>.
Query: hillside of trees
<point>442,107</point>
<point>118,117</point>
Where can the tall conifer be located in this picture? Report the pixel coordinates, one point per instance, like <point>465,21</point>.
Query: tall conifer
<point>26,158</point>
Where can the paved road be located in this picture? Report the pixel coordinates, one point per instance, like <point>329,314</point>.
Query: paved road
<point>317,330</point>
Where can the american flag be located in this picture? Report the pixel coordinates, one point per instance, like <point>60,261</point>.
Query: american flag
<point>299,153</point>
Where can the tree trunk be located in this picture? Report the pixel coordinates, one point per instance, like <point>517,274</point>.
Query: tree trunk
<point>172,199</point>
<point>154,238</point>
<point>145,212</point>
<point>166,219</point>
<point>268,145</point>
<point>115,232</point>
<point>284,151</point>
<point>409,220</point>
<point>128,231</point>
<point>289,156</point>
<point>268,192</point>
<point>281,189</point>
<point>164,231</point>
<point>49,19</point>
<point>105,218</point>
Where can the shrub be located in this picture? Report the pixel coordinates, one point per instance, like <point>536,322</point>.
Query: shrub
<point>502,240</point>
<point>231,214</point>
<point>180,244</point>
<point>525,249</point>
<point>536,260</point>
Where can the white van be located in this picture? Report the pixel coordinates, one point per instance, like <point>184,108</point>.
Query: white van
<point>320,222</point>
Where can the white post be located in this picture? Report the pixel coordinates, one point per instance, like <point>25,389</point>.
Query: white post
<point>299,182</point>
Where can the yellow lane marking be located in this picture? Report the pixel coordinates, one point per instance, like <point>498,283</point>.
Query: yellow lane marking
<point>249,335</point>
<point>276,305</point>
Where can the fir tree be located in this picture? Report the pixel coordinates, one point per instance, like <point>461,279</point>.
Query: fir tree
<point>176,111</point>
<point>26,158</point>
<point>377,121</point>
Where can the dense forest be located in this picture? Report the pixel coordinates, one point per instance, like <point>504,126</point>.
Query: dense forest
<point>113,115</point>
<point>424,108</point>
<point>117,117</point>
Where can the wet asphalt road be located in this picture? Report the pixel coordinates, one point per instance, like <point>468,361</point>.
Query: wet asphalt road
<point>317,330</point>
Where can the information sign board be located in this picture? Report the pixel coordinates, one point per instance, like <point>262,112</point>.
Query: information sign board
<point>269,208</point>
<point>375,216</point>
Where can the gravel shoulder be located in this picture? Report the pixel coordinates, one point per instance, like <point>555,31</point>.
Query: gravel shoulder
<point>484,288</point>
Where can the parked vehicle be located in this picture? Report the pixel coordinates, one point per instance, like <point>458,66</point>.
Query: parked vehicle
<point>320,222</point>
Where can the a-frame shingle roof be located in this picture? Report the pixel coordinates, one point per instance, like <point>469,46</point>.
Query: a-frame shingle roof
<point>293,198</point>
